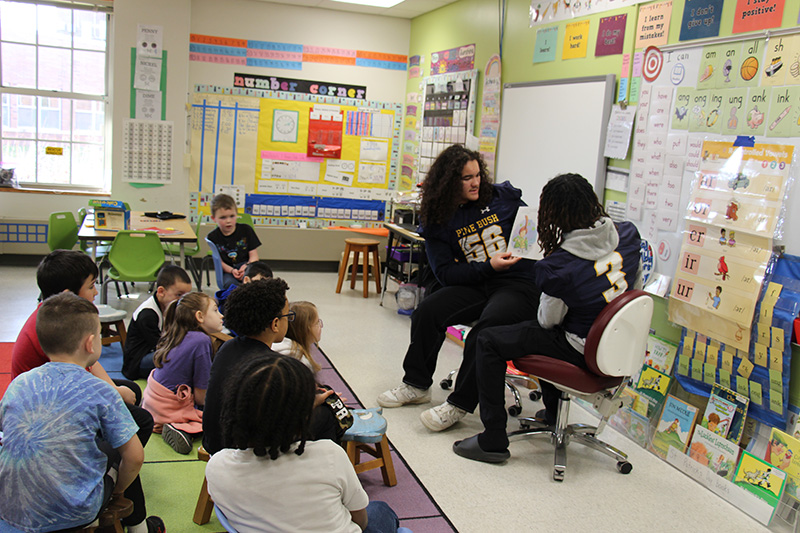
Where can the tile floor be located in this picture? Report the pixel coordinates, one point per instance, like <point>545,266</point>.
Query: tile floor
<point>367,342</point>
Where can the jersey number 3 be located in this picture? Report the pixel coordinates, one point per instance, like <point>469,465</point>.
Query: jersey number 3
<point>611,267</point>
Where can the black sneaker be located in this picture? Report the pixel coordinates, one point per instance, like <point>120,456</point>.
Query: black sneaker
<point>155,525</point>
<point>180,441</point>
<point>541,415</point>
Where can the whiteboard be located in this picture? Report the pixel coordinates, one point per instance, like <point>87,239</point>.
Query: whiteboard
<point>552,127</point>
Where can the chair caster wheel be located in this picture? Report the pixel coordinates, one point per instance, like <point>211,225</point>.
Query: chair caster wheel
<point>446,384</point>
<point>558,475</point>
<point>535,395</point>
<point>624,467</point>
<point>514,410</point>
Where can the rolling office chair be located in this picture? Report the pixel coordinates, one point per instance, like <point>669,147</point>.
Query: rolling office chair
<point>615,350</point>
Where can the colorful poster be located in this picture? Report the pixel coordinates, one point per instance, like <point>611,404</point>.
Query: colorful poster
<point>610,35</point>
<point>652,28</point>
<point>576,37</point>
<point>700,19</point>
<point>545,47</point>
<point>547,11</point>
<point>732,216</point>
<point>453,60</point>
<point>754,16</point>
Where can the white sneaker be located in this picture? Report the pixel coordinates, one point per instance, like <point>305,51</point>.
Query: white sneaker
<point>442,416</point>
<point>404,395</point>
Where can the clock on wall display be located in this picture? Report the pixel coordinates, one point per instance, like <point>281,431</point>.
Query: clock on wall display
<point>284,126</point>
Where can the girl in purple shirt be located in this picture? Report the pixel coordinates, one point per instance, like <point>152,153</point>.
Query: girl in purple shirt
<point>176,388</point>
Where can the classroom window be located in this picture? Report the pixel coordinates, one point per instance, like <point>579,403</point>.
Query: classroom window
<point>53,60</point>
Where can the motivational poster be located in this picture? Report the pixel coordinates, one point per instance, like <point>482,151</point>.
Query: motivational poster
<point>545,48</point>
<point>700,19</point>
<point>576,38</point>
<point>653,25</point>
<point>610,35</point>
<point>754,16</point>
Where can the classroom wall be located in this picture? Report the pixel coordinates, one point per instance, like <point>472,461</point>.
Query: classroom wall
<point>251,19</point>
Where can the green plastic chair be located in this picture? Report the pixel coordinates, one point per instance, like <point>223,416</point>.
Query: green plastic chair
<point>174,250</point>
<point>62,231</point>
<point>134,256</point>
<point>245,218</point>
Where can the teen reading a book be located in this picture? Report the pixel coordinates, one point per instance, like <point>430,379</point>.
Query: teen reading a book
<point>466,222</point>
<point>588,261</point>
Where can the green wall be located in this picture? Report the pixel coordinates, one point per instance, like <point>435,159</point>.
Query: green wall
<point>477,21</point>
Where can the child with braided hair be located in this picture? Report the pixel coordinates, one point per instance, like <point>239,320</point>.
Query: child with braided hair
<point>588,261</point>
<point>271,476</point>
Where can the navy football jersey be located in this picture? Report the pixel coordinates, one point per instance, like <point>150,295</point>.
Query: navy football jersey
<point>587,286</point>
<point>459,251</point>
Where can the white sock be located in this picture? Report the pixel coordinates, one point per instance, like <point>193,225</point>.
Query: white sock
<point>141,527</point>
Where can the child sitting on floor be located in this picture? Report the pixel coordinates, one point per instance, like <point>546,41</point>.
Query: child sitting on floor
<point>69,442</point>
<point>148,319</point>
<point>253,272</point>
<point>177,386</point>
<point>270,476</point>
<point>303,335</point>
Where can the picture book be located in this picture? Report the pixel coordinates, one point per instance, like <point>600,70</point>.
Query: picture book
<point>660,354</point>
<point>653,383</point>
<point>639,429</point>
<point>716,452</point>
<point>760,478</point>
<point>674,427</point>
<point>742,402</point>
<point>523,234</point>
<point>783,451</point>
<point>718,415</point>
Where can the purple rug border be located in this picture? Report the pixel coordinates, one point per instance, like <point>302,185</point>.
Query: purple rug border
<point>394,448</point>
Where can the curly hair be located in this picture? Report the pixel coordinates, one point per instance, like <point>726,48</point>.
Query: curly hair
<point>251,308</point>
<point>568,202</point>
<point>267,404</point>
<point>299,331</point>
<point>180,319</point>
<point>441,190</point>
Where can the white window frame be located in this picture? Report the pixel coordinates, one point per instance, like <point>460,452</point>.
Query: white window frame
<point>40,134</point>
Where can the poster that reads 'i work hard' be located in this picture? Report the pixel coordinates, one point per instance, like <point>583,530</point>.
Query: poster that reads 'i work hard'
<point>734,209</point>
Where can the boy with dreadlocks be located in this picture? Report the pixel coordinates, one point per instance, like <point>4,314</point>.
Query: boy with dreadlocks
<point>588,261</point>
<point>271,476</point>
<point>466,222</point>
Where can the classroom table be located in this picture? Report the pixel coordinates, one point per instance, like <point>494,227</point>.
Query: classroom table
<point>177,230</point>
<point>401,235</point>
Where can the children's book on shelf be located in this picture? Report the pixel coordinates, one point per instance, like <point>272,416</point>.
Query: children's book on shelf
<point>783,451</point>
<point>742,402</point>
<point>653,383</point>
<point>718,415</point>
<point>674,427</point>
<point>639,429</point>
<point>716,452</point>
<point>660,354</point>
<point>760,478</point>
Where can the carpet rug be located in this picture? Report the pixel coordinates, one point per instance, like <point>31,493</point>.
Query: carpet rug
<point>172,482</point>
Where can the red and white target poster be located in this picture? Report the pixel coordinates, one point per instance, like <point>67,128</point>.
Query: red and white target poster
<point>652,28</point>
<point>652,63</point>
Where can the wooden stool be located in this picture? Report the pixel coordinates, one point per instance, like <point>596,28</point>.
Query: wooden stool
<point>118,508</point>
<point>113,325</point>
<point>369,427</point>
<point>202,511</point>
<point>358,246</point>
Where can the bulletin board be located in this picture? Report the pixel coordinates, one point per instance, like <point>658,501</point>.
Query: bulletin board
<point>299,159</point>
<point>704,103</point>
<point>548,128</point>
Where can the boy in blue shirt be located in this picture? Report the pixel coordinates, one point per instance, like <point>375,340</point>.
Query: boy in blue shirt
<point>66,434</point>
<point>237,243</point>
